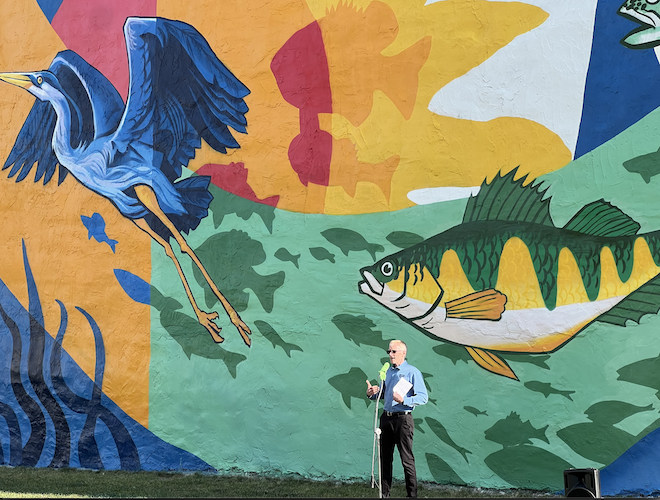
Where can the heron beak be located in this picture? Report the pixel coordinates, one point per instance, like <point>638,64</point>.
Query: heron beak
<point>18,79</point>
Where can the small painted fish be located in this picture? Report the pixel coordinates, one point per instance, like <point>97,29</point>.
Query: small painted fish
<point>274,338</point>
<point>507,279</point>
<point>320,253</point>
<point>285,256</point>
<point>512,431</point>
<point>546,389</point>
<point>350,241</point>
<point>475,411</point>
<point>351,385</point>
<point>645,165</point>
<point>359,329</point>
<point>96,228</point>
<point>440,431</point>
<point>647,14</point>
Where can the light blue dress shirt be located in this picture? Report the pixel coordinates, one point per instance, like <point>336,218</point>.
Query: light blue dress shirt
<point>417,394</point>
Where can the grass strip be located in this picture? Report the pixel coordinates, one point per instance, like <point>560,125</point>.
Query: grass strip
<point>24,482</point>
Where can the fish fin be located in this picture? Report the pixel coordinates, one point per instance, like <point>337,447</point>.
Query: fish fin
<point>600,218</point>
<point>644,300</point>
<point>506,199</point>
<point>487,304</point>
<point>491,362</point>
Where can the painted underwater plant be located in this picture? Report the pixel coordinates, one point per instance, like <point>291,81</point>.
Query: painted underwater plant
<point>507,280</point>
<point>54,414</point>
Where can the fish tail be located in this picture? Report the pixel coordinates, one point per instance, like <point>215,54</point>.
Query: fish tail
<point>265,293</point>
<point>406,65</point>
<point>112,244</point>
<point>373,248</point>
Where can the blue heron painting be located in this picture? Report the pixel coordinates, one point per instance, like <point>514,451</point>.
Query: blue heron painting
<point>133,153</point>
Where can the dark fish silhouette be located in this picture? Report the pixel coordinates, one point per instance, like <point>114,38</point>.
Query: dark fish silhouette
<point>533,359</point>
<point>512,431</point>
<point>476,412</point>
<point>546,389</point>
<point>96,228</point>
<point>186,331</point>
<point>613,412</point>
<point>359,329</point>
<point>351,385</point>
<point>442,471</point>
<point>274,338</point>
<point>645,372</point>
<point>225,203</point>
<point>320,253</point>
<point>452,352</point>
<point>350,241</point>
<point>285,256</point>
<point>586,438</point>
<point>230,258</point>
<point>645,165</point>
<point>403,239</point>
<point>440,431</point>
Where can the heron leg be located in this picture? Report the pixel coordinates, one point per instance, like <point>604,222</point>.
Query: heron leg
<point>148,198</point>
<point>205,319</point>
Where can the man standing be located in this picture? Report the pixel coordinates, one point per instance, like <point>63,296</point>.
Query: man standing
<point>404,389</point>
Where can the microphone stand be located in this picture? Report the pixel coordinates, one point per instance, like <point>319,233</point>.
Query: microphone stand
<point>377,433</point>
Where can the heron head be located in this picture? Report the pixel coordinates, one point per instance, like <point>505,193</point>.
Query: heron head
<point>43,84</point>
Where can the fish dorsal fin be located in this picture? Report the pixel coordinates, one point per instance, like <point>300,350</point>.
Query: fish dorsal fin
<point>506,199</point>
<point>601,218</point>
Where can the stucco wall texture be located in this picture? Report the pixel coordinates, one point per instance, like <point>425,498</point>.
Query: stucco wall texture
<point>216,215</point>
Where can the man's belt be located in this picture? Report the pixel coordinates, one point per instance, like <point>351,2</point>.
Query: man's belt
<point>397,413</point>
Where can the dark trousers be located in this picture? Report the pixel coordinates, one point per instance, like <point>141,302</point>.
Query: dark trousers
<point>397,430</point>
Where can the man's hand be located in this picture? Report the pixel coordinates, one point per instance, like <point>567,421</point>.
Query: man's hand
<point>397,397</point>
<point>372,389</point>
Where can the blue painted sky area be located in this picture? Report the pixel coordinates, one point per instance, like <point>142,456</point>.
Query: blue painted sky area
<point>621,85</point>
<point>50,8</point>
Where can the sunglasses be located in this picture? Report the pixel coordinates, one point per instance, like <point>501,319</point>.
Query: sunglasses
<point>391,351</point>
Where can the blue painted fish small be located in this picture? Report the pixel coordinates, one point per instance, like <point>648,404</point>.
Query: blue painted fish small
<point>96,228</point>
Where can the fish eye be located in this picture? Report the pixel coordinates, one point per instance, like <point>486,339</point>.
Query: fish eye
<point>40,80</point>
<point>387,268</point>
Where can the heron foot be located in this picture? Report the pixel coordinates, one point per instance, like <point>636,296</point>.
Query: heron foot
<point>206,320</point>
<point>243,329</point>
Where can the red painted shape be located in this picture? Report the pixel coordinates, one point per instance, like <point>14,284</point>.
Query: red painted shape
<point>233,178</point>
<point>310,152</point>
<point>301,71</point>
<point>95,30</point>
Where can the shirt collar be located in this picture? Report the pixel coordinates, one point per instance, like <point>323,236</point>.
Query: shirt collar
<point>398,367</point>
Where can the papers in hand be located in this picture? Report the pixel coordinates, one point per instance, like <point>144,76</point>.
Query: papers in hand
<point>402,387</point>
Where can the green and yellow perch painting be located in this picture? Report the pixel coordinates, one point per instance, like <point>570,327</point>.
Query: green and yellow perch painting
<point>508,280</point>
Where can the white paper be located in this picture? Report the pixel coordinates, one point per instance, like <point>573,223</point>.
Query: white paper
<point>402,387</point>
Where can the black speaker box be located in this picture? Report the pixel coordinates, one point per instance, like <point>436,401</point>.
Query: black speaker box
<point>582,483</point>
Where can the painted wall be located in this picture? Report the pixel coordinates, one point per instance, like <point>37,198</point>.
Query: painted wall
<point>491,166</point>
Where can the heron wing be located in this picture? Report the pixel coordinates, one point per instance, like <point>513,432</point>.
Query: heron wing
<point>180,93</point>
<point>96,109</point>
<point>100,105</point>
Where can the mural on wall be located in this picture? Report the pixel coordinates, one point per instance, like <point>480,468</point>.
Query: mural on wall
<point>180,93</point>
<point>507,279</point>
<point>485,170</point>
